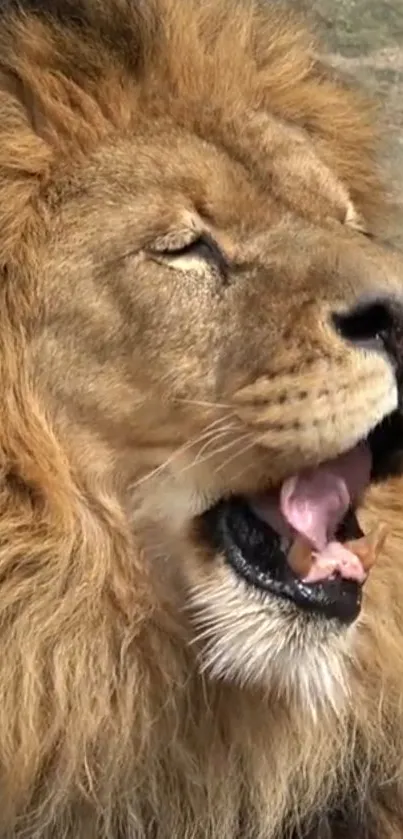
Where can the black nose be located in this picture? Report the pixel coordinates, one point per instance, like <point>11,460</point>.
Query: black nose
<point>376,326</point>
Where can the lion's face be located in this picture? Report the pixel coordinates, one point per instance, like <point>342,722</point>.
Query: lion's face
<point>213,313</point>
<point>221,341</point>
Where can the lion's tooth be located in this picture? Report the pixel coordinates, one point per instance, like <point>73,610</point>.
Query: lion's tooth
<point>285,544</point>
<point>300,557</point>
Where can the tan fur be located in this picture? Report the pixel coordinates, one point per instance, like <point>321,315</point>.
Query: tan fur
<point>144,694</point>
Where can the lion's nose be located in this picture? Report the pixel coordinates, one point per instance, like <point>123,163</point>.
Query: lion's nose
<point>376,325</point>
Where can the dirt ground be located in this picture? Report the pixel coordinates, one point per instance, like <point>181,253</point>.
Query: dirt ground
<point>365,39</point>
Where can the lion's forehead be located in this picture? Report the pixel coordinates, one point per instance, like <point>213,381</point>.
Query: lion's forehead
<point>257,123</point>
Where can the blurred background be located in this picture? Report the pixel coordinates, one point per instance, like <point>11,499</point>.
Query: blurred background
<point>365,39</point>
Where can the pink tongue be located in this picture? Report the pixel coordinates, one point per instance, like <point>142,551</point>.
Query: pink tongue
<point>314,503</point>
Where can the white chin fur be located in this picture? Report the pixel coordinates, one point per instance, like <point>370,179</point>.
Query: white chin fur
<point>258,640</point>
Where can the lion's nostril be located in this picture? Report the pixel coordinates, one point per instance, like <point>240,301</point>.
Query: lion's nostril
<point>364,323</point>
<point>370,326</point>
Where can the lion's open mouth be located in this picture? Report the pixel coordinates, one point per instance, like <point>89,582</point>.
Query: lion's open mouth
<point>303,541</point>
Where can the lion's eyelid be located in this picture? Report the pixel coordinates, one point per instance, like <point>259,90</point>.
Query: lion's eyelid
<point>202,245</point>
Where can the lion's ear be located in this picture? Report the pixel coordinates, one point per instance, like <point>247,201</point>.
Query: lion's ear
<point>299,171</point>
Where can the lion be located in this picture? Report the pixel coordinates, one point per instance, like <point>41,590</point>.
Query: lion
<point>201,363</point>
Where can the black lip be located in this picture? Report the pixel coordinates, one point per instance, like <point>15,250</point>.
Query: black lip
<point>386,444</point>
<point>255,552</point>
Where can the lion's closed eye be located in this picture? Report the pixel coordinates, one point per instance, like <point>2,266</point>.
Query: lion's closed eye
<point>202,247</point>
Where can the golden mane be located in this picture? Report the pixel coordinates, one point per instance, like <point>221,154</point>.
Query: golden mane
<point>107,729</point>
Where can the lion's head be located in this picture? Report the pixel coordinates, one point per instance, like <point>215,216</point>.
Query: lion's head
<point>200,354</point>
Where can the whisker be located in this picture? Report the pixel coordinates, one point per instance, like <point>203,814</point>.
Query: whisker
<point>216,452</point>
<point>209,431</point>
<point>202,404</point>
<point>210,442</point>
<point>244,451</point>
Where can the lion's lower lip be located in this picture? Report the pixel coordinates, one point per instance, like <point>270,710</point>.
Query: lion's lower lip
<point>255,552</point>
